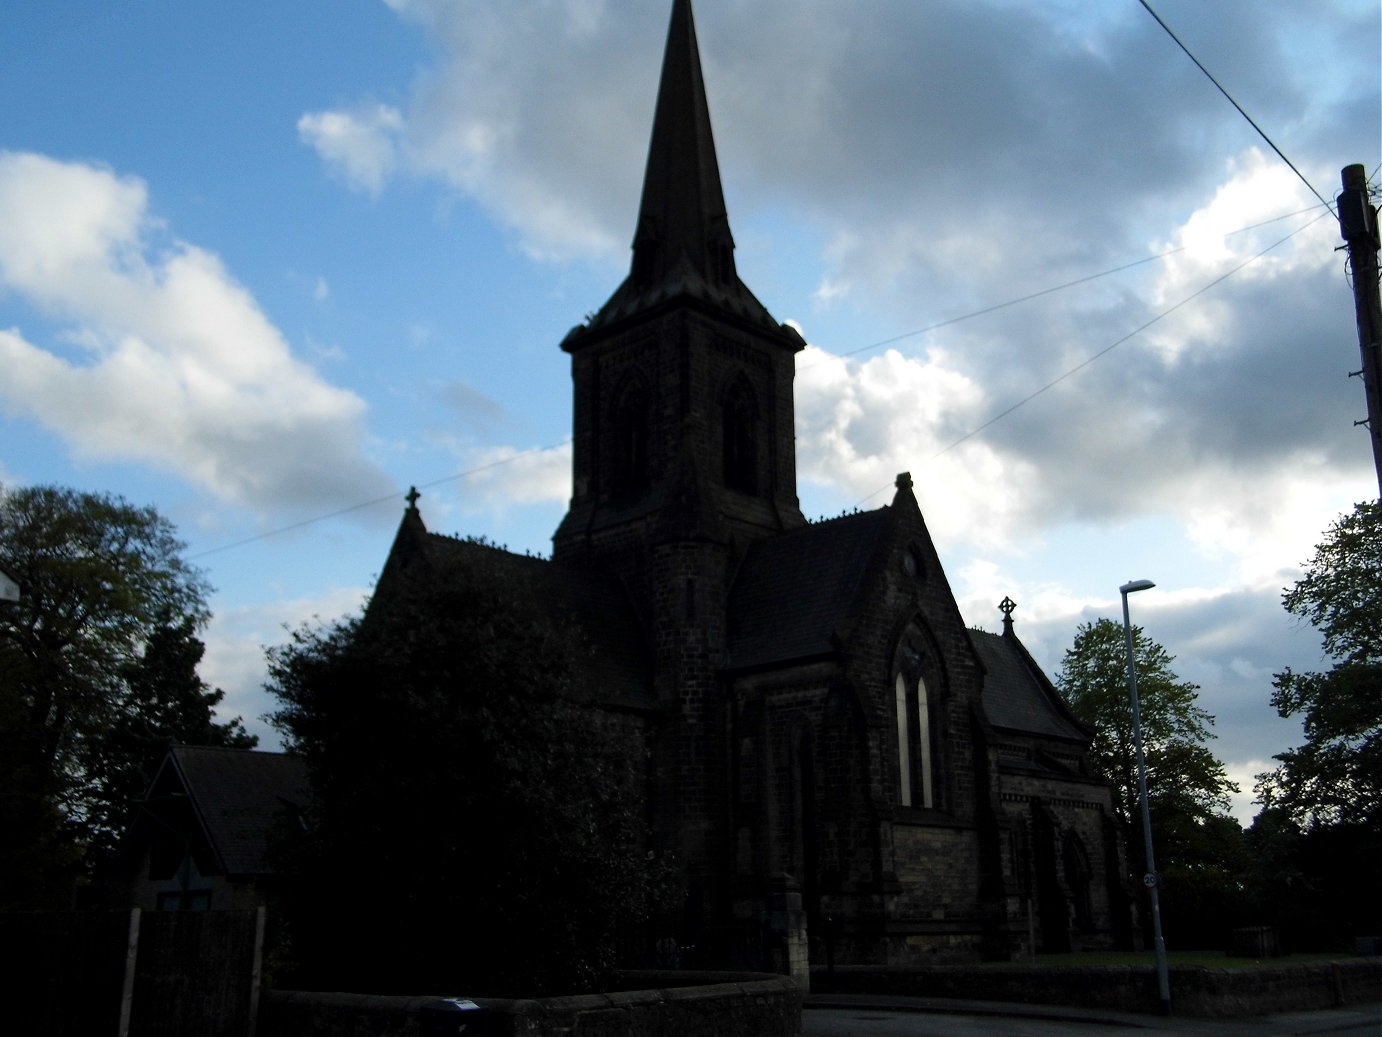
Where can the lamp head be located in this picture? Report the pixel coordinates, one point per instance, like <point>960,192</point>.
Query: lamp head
<point>1135,585</point>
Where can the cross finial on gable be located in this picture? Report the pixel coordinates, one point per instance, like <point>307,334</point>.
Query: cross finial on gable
<point>412,498</point>
<point>1007,606</point>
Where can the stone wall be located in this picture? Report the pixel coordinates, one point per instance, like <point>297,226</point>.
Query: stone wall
<point>699,1004</point>
<point>1196,991</point>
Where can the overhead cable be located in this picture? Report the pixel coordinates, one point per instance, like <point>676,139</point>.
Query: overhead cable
<point>1260,132</point>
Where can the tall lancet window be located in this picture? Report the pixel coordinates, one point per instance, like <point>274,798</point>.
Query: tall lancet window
<point>916,756</point>
<point>739,432</point>
<point>904,743</point>
<point>629,461</point>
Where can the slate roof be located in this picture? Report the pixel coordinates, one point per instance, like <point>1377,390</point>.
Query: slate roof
<point>793,592</point>
<point>620,668</point>
<point>1017,695</point>
<point>238,795</point>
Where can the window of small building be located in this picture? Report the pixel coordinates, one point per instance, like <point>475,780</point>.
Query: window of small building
<point>185,900</point>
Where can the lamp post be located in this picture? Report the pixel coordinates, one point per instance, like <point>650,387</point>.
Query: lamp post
<point>1151,879</point>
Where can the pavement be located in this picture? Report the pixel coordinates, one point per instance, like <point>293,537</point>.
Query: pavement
<point>1349,1018</point>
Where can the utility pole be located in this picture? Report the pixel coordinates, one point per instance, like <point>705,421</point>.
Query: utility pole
<point>1358,225</point>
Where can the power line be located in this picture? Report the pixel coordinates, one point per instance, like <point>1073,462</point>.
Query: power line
<point>994,308</point>
<point>1260,132</point>
<point>371,503</point>
<point>1114,345</point>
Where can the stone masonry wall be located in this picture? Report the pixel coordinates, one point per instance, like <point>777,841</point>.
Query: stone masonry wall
<point>1078,808</point>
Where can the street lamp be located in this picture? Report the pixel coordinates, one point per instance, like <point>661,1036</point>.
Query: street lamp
<point>1151,879</point>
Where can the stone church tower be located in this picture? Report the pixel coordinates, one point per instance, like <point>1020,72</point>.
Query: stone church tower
<point>838,763</point>
<point>684,441</point>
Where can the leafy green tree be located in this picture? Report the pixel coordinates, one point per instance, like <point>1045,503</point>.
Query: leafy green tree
<point>1184,778</point>
<point>1335,777</point>
<point>1199,847</point>
<point>104,593</point>
<point>474,822</point>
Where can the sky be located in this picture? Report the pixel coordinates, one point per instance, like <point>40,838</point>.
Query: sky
<point>265,266</point>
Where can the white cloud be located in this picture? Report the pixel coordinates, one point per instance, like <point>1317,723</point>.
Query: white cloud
<point>527,110</point>
<point>163,357</point>
<point>859,423</point>
<point>1243,773</point>
<point>1213,241</point>
<point>504,477</point>
<point>364,144</point>
<point>1269,527</point>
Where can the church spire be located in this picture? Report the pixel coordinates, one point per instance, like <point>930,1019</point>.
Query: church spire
<point>682,246</point>
<point>682,217</point>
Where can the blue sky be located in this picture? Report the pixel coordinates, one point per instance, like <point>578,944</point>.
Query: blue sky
<point>262,263</point>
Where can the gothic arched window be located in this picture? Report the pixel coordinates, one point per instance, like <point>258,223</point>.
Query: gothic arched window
<point>739,438</point>
<point>629,454</point>
<point>915,751</point>
<point>915,713</point>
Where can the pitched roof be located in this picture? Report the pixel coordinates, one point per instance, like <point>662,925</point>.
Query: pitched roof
<point>793,592</point>
<point>238,795</point>
<point>1017,695</point>
<point>620,669</point>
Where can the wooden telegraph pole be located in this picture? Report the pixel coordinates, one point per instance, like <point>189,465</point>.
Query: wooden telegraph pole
<point>1358,225</point>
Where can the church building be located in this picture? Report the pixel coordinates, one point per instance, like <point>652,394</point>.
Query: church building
<point>837,760</point>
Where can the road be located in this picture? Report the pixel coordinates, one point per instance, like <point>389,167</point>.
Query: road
<point>1359,1021</point>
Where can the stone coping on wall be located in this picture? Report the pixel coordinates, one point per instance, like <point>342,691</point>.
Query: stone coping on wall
<point>712,1004</point>
<point>1196,990</point>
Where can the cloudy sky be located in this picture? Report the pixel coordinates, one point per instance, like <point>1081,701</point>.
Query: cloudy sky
<point>265,266</point>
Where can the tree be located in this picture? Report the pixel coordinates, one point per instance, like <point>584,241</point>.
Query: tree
<point>473,821</point>
<point>105,594</point>
<point>1184,779</point>
<point>164,703</point>
<point>1198,845</point>
<point>1316,885</point>
<point>1335,777</point>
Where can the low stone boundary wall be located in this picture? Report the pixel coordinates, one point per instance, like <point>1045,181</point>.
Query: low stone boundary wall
<point>1196,990</point>
<point>696,1004</point>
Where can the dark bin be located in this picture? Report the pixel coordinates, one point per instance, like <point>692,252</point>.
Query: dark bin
<point>456,1015</point>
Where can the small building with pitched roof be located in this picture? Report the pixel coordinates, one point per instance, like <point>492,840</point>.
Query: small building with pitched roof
<point>203,837</point>
<point>835,755</point>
